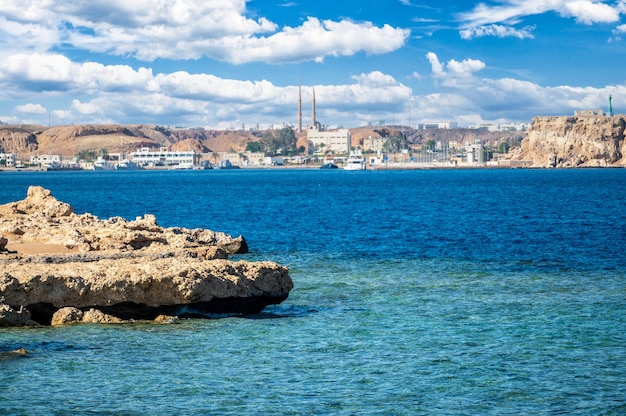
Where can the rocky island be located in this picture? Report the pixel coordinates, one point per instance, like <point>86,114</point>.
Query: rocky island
<point>59,267</point>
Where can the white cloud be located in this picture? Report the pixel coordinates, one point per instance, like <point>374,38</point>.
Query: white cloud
<point>56,73</point>
<point>96,93</point>
<point>468,97</point>
<point>189,29</point>
<point>497,31</point>
<point>617,33</point>
<point>456,72</point>
<point>589,12</point>
<point>466,67</point>
<point>511,11</point>
<point>437,68</point>
<point>375,79</point>
<point>31,109</point>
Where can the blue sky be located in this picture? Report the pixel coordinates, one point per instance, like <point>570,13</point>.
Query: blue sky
<point>224,64</point>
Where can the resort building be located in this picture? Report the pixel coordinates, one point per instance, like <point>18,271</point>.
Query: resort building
<point>163,157</point>
<point>335,141</point>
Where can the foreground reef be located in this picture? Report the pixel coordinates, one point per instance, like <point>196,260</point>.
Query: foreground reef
<point>59,267</point>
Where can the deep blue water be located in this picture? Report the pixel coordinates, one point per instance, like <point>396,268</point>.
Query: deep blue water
<point>416,292</point>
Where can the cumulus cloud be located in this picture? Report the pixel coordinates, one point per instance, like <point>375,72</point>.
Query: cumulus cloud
<point>189,29</point>
<point>473,98</point>
<point>455,72</point>
<point>97,93</point>
<point>31,109</point>
<point>589,12</point>
<point>56,73</point>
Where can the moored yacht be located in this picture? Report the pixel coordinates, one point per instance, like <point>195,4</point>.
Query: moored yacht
<point>355,162</point>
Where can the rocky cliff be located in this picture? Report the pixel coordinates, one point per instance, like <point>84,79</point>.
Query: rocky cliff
<point>59,267</point>
<point>579,141</point>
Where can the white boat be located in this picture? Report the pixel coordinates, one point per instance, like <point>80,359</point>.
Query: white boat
<point>126,164</point>
<point>355,162</point>
<point>102,164</point>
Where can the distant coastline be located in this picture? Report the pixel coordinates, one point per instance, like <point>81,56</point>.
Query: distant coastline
<point>587,139</point>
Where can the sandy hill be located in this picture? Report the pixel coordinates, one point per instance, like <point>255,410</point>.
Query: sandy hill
<point>69,140</point>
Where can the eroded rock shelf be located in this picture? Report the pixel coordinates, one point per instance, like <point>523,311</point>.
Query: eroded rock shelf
<point>60,267</point>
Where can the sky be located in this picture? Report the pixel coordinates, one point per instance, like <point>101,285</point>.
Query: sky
<point>232,64</point>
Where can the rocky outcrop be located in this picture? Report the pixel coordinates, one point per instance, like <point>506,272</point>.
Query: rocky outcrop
<point>59,267</point>
<point>578,141</point>
<point>17,139</point>
<point>11,317</point>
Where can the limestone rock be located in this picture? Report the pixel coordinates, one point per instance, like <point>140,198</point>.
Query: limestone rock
<point>166,319</point>
<point>66,268</point>
<point>67,315</point>
<point>42,219</point>
<point>578,141</point>
<point>11,317</point>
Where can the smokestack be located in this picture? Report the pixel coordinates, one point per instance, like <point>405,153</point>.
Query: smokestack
<point>313,121</point>
<point>299,108</point>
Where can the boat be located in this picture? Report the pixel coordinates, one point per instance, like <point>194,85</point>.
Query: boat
<point>102,164</point>
<point>329,165</point>
<point>355,162</point>
<point>225,164</point>
<point>126,164</point>
<point>182,166</point>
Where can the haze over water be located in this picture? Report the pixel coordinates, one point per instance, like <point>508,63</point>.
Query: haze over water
<point>416,292</point>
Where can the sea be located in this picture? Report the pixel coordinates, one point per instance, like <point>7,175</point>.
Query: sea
<point>452,292</point>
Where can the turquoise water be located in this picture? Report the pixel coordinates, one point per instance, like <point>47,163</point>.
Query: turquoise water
<point>421,292</point>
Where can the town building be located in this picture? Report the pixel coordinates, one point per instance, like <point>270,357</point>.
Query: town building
<point>374,144</point>
<point>333,141</point>
<point>475,153</point>
<point>437,125</point>
<point>9,159</point>
<point>163,157</point>
<point>46,161</point>
<point>498,127</point>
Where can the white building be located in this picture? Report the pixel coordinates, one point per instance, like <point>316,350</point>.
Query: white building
<point>46,161</point>
<point>9,159</point>
<point>475,153</point>
<point>438,125</point>
<point>500,127</point>
<point>335,141</point>
<point>163,157</point>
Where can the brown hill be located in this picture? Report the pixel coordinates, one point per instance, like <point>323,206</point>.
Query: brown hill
<point>69,140</point>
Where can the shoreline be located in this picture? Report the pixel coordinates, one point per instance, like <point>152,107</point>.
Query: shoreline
<point>407,166</point>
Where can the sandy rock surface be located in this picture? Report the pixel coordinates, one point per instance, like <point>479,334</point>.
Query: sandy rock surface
<point>578,141</point>
<point>110,270</point>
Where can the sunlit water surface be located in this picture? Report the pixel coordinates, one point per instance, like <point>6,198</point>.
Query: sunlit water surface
<point>419,292</point>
